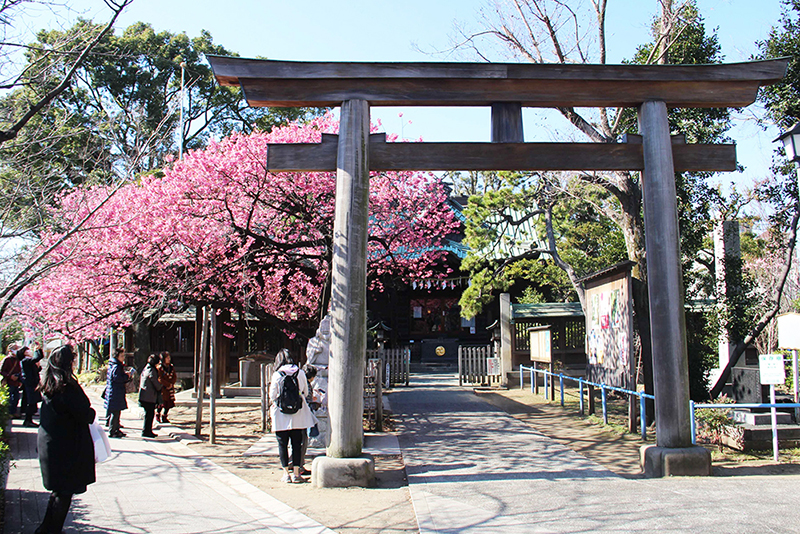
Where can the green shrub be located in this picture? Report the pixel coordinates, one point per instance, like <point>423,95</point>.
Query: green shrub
<point>4,415</point>
<point>5,451</point>
<point>714,423</point>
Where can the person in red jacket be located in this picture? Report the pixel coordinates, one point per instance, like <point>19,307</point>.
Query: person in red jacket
<point>11,371</point>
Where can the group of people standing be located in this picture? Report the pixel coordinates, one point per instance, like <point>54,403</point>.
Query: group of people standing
<point>156,391</point>
<point>64,442</point>
<point>20,371</point>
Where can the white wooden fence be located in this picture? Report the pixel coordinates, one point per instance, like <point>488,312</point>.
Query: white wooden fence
<point>477,365</point>
<point>373,395</point>
<point>397,365</point>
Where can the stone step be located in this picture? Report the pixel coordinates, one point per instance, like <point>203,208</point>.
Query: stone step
<point>757,419</point>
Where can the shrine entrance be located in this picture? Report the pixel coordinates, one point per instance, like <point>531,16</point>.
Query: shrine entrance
<point>506,88</point>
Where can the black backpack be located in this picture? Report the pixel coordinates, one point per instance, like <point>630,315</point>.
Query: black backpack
<point>289,400</point>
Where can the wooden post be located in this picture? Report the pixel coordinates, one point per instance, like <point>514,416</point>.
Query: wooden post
<point>665,280</point>
<point>212,371</point>
<point>198,341</point>
<point>200,386</point>
<point>262,373</point>
<point>349,278</point>
<point>379,396</point>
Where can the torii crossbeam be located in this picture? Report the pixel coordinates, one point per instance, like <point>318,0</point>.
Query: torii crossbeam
<point>506,88</point>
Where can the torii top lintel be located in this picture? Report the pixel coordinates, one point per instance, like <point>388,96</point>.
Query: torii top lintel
<point>323,84</point>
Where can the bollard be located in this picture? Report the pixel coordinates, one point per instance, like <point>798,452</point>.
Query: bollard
<point>561,385</point>
<point>694,428</point>
<point>605,404</point>
<point>521,378</point>
<point>534,387</point>
<point>580,393</point>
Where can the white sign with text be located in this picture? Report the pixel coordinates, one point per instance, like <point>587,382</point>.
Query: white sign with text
<point>770,367</point>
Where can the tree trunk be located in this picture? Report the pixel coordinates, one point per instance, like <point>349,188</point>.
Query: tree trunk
<point>141,343</point>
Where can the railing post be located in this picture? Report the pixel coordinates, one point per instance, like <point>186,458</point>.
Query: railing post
<point>580,394</point>
<point>521,378</point>
<point>546,388</point>
<point>643,416</point>
<point>693,422</point>
<point>605,404</point>
<point>561,385</point>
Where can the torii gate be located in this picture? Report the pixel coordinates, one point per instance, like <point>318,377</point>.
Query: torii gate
<point>506,88</point>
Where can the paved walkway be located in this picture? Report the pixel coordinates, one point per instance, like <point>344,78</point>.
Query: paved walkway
<point>473,468</point>
<point>149,486</point>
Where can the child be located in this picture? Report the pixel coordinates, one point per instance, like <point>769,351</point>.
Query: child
<point>318,396</point>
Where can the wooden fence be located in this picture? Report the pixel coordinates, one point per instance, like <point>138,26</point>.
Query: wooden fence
<point>397,366</point>
<point>373,395</point>
<point>477,365</point>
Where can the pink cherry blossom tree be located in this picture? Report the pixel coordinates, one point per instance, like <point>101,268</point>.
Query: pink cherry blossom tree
<point>218,228</point>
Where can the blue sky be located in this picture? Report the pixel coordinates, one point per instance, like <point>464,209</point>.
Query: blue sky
<point>379,30</point>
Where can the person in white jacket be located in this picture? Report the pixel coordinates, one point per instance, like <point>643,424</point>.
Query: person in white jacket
<point>289,427</point>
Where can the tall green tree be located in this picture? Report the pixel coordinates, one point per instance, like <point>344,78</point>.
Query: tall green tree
<point>554,31</point>
<point>535,30</point>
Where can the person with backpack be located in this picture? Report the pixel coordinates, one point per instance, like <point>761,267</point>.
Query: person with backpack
<point>289,412</point>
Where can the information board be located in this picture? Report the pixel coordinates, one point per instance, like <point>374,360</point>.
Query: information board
<point>609,329</point>
<point>541,349</point>
<point>771,369</point>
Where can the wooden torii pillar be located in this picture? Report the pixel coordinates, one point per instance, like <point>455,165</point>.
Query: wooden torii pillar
<point>652,89</point>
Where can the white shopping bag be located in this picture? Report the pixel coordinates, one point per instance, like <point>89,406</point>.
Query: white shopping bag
<point>102,447</point>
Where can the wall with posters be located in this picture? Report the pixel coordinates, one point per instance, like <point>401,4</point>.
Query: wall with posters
<point>609,326</point>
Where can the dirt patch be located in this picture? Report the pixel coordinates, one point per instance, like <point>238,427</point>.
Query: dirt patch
<point>385,508</point>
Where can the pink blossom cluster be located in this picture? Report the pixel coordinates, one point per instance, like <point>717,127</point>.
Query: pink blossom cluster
<point>218,228</point>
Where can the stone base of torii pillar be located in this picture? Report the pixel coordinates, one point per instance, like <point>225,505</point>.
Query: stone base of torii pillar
<point>670,462</point>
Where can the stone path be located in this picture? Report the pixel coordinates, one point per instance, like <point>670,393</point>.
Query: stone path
<point>149,486</point>
<point>473,468</point>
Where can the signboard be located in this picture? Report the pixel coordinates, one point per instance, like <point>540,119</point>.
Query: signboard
<point>609,329</point>
<point>540,344</point>
<point>789,331</point>
<point>493,366</point>
<point>770,367</point>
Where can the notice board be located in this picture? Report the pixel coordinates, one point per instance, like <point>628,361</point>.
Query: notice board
<point>609,327</point>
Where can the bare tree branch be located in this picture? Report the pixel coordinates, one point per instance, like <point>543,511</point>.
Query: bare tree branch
<point>11,133</point>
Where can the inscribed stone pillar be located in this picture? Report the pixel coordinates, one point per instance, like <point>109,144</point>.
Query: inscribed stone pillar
<point>727,248</point>
<point>506,337</point>
<point>665,280</point>
<point>506,128</point>
<point>349,283</point>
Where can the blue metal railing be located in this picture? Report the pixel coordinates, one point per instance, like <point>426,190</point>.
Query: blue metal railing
<point>694,406</point>
<point>604,389</point>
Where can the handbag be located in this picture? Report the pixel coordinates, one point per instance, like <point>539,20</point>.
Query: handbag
<point>102,447</point>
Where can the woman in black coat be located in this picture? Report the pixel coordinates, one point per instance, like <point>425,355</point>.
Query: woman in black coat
<point>66,451</point>
<point>114,395</point>
<point>149,389</point>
